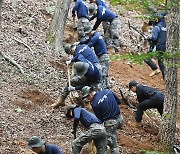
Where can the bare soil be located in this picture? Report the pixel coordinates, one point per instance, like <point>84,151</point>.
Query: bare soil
<point>25,98</point>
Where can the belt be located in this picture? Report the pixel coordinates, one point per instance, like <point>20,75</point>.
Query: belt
<point>112,20</point>
<point>99,56</point>
<point>113,118</point>
<point>83,17</point>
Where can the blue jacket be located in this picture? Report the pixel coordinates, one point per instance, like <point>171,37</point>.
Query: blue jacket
<point>98,43</point>
<point>144,92</point>
<point>102,3</point>
<point>103,14</point>
<point>85,117</point>
<point>84,51</point>
<point>159,36</point>
<point>105,105</point>
<point>81,8</point>
<point>92,76</point>
<point>163,21</point>
<point>52,149</point>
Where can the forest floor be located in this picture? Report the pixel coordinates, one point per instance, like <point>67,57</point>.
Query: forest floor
<point>25,98</point>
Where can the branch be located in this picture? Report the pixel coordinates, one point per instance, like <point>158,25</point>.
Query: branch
<point>19,41</point>
<point>12,61</point>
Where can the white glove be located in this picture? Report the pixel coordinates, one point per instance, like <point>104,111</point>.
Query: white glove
<point>71,88</point>
<point>76,43</point>
<point>68,62</point>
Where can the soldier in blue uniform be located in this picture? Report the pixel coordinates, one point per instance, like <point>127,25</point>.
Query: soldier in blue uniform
<point>158,43</point>
<point>95,40</point>
<point>85,73</point>
<point>105,105</point>
<point>105,24</point>
<point>94,129</point>
<point>148,98</point>
<point>99,2</point>
<point>38,146</point>
<point>81,52</point>
<point>82,14</point>
<point>104,14</point>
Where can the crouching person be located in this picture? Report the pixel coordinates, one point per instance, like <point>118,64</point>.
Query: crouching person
<point>94,129</point>
<point>148,98</point>
<point>105,105</point>
<point>38,146</point>
<point>85,73</point>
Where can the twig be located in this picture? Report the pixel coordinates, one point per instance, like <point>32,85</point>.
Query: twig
<point>12,61</point>
<point>27,46</point>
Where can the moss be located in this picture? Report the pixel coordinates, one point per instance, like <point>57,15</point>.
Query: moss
<point>50,38</point>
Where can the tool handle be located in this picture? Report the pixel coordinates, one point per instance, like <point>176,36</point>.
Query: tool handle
<point>69,79</point>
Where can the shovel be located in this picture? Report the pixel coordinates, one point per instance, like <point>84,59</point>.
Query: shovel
<point>69,84</point>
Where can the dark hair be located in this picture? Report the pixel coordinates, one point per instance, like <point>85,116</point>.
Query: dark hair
<point>68,115</point>
<point>132,84</point>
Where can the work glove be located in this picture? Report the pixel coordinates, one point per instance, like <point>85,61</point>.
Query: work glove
<point>74,133</point>
<point>148,39</point>
<point>68,62</point>
<point>76,43</point>
<point>71,88</point>
<point>73,15</point>
<point>134,110</point>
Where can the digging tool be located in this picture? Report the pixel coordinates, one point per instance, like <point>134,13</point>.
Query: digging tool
<point>74,26</point>
<point>141,33</point>
<point>125,100</point>
<point>69,84</point>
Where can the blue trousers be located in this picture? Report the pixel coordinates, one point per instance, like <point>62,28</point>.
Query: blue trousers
<point>156,101</point>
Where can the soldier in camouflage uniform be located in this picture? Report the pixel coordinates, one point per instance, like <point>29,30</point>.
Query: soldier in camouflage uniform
<point>105,24</point>
<point>85,73</point>
<point>104,14</point>
<point>105,106</point>
<point>82,14</point>
<point>95,40</point>
<point>81,52</point>
<point>94,129</point>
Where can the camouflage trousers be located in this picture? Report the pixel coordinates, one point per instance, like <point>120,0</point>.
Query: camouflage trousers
<point>98,87</point>
<point>107,32</point>
<point>82,24</point>
<point>79,81</point>
<point>113,34</point>
<point>97,133</point>
<point>111,126</point>
<point>104,62</point>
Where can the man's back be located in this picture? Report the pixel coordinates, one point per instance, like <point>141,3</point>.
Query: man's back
<point>52,149</point>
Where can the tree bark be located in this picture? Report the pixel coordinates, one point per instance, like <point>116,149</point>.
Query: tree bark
<point>58,23</point>
<point>168,128</point>
<point>1,3</point>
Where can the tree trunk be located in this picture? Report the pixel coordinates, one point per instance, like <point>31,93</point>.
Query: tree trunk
<point>1,3</point>
<point>167,131</point>
<point>58,23</point>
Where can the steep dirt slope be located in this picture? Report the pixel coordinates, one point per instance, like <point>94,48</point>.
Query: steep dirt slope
<point>25,98</point>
